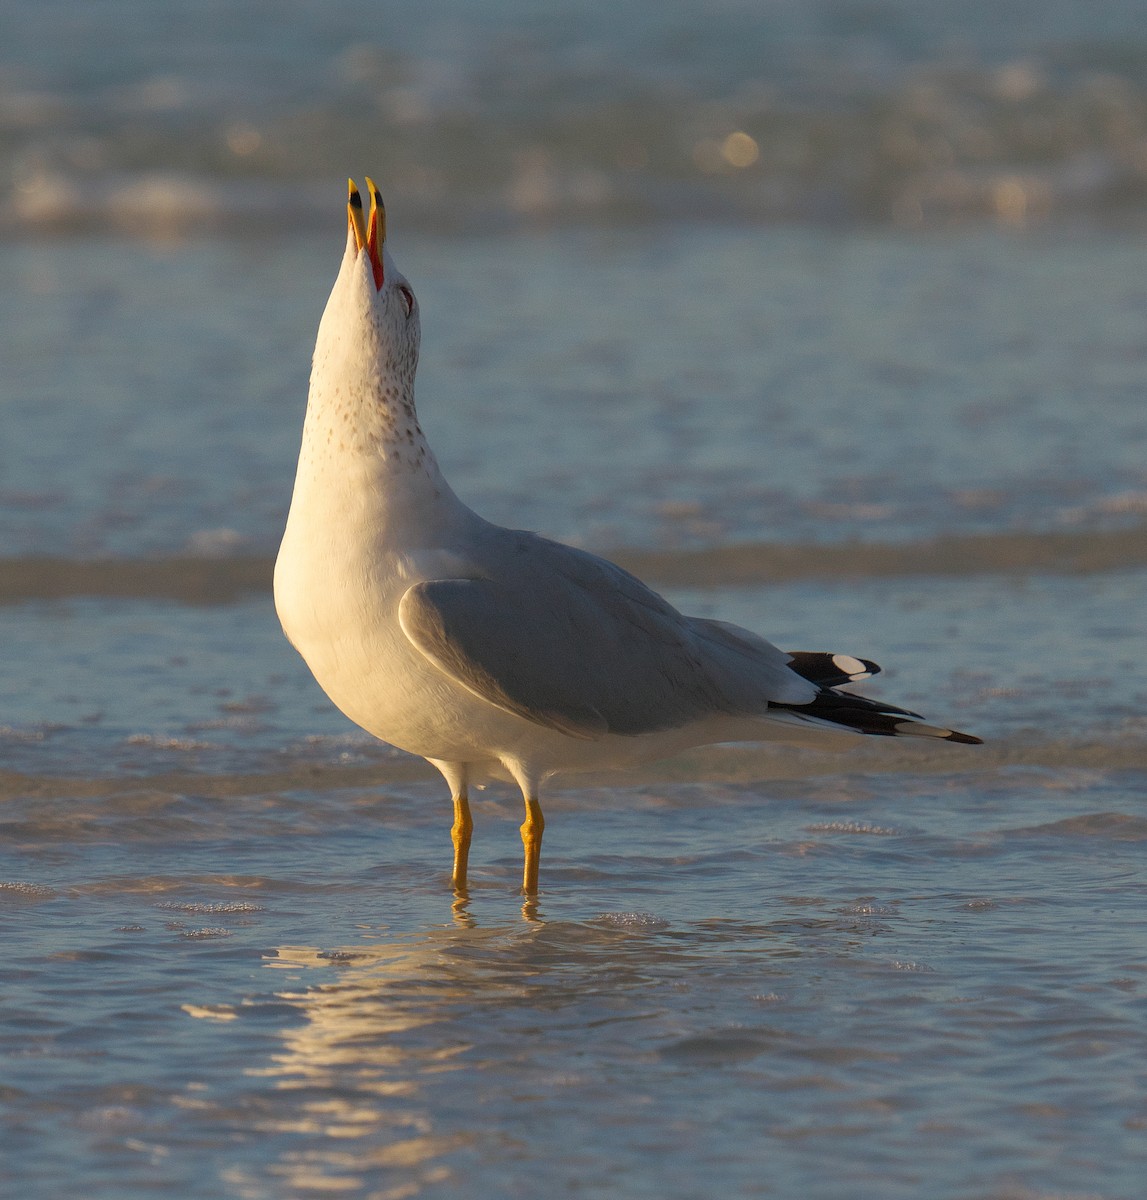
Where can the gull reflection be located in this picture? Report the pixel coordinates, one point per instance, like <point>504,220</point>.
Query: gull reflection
<point>350,1087</point>
<point>390,1066</point>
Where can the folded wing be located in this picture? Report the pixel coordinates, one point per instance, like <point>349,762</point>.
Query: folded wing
<point>568,640</point>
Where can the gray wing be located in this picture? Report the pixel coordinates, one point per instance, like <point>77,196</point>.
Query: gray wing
<point>568,640</point>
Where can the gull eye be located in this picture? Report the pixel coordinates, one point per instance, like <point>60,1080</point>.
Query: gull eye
<point>407,298</point>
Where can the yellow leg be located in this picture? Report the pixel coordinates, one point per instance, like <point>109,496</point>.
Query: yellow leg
<point>460,833</point>
<point>531,831</point>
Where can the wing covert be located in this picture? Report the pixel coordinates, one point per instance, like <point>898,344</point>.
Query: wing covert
<point>568,640</point>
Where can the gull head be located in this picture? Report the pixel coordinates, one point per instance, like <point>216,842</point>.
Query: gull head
<point>367,346</point>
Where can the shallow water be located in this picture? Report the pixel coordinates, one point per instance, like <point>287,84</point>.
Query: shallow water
<point>912,984</point>
<point>234,967</point>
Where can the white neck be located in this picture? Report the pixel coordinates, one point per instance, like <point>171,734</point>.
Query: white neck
<point>365,467</point>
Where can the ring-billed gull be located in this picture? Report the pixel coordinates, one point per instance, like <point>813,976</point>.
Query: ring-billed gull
<point>494,652</point>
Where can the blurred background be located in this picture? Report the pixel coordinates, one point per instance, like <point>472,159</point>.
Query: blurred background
<point>179,117</point>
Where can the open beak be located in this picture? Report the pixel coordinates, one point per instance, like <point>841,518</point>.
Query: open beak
<point>368,232</point>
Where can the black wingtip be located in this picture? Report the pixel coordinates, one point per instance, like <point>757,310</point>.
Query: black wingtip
<point>875,717</point>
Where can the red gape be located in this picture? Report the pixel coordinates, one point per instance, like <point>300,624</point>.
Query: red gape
<point>372,250</point>
<point>374,236</point>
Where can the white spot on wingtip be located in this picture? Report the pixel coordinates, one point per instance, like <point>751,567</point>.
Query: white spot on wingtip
<point>849,665</point>
<point>919,729</point>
